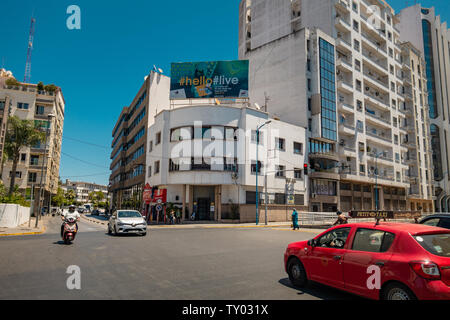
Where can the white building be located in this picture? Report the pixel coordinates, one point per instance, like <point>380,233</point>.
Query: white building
<point>205,156</point>
<point>425,30</point>
<point>83,189</point>
<point>335,67</point>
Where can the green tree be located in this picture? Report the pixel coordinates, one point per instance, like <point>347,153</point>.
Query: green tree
<point>59,199</point>
<point>20,134</point>
<point>96,197</point>
<point>70,197</point>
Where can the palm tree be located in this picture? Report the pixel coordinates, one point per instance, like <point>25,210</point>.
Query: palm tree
<point>20,134</point>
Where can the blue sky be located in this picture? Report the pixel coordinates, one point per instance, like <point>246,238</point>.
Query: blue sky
<point>101,67</point>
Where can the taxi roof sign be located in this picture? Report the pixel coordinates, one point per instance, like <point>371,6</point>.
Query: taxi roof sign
<point>383,214</point>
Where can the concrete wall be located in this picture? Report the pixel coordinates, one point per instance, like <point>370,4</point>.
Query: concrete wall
<point>13,215</point>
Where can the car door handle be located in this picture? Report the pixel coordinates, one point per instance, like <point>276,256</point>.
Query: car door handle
<point>337,258</point>
<point>379,263</point>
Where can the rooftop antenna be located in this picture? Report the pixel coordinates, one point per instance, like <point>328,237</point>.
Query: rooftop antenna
<point>27,75</point>
<point>266,101</point>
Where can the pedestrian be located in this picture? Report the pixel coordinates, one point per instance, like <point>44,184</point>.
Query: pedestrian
<point>342,219</point>
<point>178,215</point>
<point>295,219</point>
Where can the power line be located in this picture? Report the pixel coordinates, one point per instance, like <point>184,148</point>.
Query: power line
<point>88,175</point>
<point>86,162</point>
<point>86,142</point>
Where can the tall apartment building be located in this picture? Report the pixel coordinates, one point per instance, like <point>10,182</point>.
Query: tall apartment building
<point>335,66</point>
<point>26,101</point>
<point>83,189</point>
<point>425,30</point>
<point>129,145</point>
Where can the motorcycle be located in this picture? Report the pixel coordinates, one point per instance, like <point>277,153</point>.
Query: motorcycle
<point>70,230</point>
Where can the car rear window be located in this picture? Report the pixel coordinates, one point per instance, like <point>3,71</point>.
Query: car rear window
<point>371,240</point>
<point>437,244</point>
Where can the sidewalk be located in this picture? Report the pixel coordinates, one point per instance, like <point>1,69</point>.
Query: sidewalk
<point>24,230</point>
<point>209,225</point>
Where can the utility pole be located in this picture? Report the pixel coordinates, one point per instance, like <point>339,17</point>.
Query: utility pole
<point>257,168</point>
<point>44,162</point>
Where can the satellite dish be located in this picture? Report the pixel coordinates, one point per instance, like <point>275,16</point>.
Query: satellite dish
<point>257,106</point>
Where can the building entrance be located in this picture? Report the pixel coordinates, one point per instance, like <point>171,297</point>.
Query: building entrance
<point>203,198</point>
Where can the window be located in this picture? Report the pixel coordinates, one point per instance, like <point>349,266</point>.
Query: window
<point>34,160</point>
<point>173,166</point>
<point>156,167</point>
<point>253,167</point>
<point>328,90</point>
<point>370,240</point>
<point>280,198</point>
<point>40,110</point>
<point>149,171</point>
<point>297,173</point>
<point>32,177</point>
<point>21,105</point>
<point>250,197</point>
<point>334,239</point>
<point>356,45</point>
<point>230,165</point>
<point>23,157</point>
<point>260,139</point>
<point>18,174</point>
<point>437,244</point>
<point>280,171</point>
<point>150,146</point>
<point>298,148</point>
<point>280,144</point>
<point>432,222</point>
<point>158,138</point>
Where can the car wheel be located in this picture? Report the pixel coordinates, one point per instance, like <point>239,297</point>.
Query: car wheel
<point>297,273</point>
<point>397,291</point>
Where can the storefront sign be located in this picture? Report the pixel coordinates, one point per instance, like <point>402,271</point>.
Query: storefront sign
<point>386,214</point>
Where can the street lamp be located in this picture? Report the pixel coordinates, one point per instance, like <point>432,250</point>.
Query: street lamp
<point>257,169</point>
<point>38,215</point>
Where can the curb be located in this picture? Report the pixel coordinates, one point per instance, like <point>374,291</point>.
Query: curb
<point>24,233</point>
<point>94,221</point>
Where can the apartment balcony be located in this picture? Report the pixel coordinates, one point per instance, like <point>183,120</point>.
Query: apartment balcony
<point>382,159</point>
<point>375,100</point>
<point>331,174</point>
<point>376,82</point>
<point>344,44</point>
<point>379,138</point>
<point>346,107</point>
<point>342,24</point>
<point>377,64</point>
<point>331,155</point>
<point>344,5</point>
<point>348,151</point>
<point>345,86</point>
<point>375,45</point>
<point>378,119</point>
<point>346,129</point>
<point>344,64</point>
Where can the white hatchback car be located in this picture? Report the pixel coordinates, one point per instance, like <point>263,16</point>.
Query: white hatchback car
<point>127,221</point>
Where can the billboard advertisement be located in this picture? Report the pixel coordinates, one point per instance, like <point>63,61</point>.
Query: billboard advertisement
<point>214,79</point>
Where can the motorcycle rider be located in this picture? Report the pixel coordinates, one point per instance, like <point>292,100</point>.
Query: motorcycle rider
<point>72,213</point>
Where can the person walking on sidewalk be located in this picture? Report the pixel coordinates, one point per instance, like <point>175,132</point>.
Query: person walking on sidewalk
<point>178,215</point>
<point>295,220</point>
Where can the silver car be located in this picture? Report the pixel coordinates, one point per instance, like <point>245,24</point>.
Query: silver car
<point>127,221</point>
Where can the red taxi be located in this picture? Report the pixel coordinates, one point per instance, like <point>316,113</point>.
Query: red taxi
<point>388,261</point>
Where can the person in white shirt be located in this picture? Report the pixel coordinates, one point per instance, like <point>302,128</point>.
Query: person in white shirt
<point>72,213</point>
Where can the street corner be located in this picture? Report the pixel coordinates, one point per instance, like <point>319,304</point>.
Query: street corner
<point>23,231</point>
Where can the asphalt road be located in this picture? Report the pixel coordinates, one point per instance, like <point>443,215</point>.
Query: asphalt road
<point>190,264</point>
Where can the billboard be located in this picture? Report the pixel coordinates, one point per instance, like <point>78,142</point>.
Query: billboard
<point>214,79</point>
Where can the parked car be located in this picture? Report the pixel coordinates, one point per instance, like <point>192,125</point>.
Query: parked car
<point>437,220</point>
<point>95,212</point>
<point>413,260</point>
<point>127,221</point>
<point>80,210</point>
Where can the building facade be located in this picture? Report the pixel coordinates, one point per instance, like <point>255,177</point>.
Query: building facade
<point>206,156</point>
<point>83,189</point>
<point>46,109</point>
<point>431,36</point>
<point>129,145</point>
<point>335,67</point>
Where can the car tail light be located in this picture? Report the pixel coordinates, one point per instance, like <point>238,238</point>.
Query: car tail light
<point>426,269</point>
